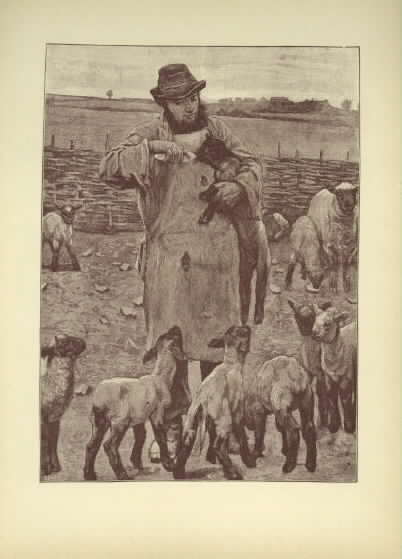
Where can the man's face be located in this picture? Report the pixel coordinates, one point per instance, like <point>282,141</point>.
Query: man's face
<point>185,112</point>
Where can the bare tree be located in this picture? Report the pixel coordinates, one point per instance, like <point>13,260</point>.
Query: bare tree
<point>346,104</point>
<point>109,93</point>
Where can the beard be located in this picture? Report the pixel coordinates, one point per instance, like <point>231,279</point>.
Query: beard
<point>200,122</point>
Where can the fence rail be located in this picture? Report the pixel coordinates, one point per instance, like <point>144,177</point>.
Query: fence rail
<point>72,174</point>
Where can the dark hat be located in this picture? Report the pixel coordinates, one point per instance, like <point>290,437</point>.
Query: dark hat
<point>176,82</point>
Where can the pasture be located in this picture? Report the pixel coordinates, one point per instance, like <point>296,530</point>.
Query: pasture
<point>115,345</point>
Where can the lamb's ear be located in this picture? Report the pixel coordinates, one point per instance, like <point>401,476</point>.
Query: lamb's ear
<point>292,305</point>
<point>216,342</point>
<point>149,355</point>
<point>341,317</point>
<point>178,353</point>
<point>325,306</point>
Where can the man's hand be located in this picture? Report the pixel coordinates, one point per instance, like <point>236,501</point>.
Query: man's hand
<point>229,193</point>
<point>173,152</point>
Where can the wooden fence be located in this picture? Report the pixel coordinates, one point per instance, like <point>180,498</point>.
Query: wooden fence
<point>71,174</point>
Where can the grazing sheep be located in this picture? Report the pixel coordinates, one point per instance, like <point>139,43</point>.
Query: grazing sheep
<point>219,404</point>
<point>119,403</point>
<point>339,363</point>
<point>56,392</point>
<point>310,353</point>
<point>57,231</point>
<point>254,252</point>
<point>306,251</point>
<point>276,226</point>
<point>335,218</point>
<point>281,386</point>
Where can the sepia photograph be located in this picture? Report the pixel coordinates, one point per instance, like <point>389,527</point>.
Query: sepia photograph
<point>199,263</point>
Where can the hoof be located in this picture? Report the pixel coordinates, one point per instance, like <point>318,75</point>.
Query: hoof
<point>90,476</point>
<point>259,319</point>
<point>288,467</point>
<point>333,428</point>
<point>311,466</point>
<point>45,470</point>
<point>179,473</point>
<point>211,456</point>
<point>168,464</point>
<point>233,475</point>
<point>250,461</point>
<point>55,468</point>
<point>123,476</point>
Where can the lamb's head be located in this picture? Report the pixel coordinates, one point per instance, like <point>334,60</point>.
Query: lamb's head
<point>237,337</point>
<point>68,211</point>
<point>167,350</point>
<point>346,196</point>
<point>305,315</point>
<point>327,323</point>
<point>316,275</point>
<point>68,346</point>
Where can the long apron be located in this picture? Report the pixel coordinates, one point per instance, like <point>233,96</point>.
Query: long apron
<point>192,270</point>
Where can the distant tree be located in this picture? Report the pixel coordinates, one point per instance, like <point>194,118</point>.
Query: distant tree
<point>109,93</point>
<point>346,104</point>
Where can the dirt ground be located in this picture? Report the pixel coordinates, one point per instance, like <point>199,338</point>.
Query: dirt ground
<point>71,302</point>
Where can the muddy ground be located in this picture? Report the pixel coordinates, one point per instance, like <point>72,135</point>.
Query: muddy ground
<point>71,302</point>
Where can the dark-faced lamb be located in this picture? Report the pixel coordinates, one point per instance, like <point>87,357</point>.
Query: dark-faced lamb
<point>335,217</point>
<point>306,251</point>
<point>57,231</point>
<point>219,406</point>
<point>56,391</point>
<point>276,226</point>
<point>339,364</point>
<point>279,387</point>
<point>123,402</point>
<point>254,251</point>
<point>310,353</point>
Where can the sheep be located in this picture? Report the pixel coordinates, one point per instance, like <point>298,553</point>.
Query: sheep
<point>121,402</point>
<point>57,231</point>
<point>276,226</point>
<point>339,364</point>
<point>306,251</point>
<point>281,386</point>
<point>254,251</point>
<point>335,218</point>
<point>310,353</point>
<point>219,405</point>
<point>56,391</point>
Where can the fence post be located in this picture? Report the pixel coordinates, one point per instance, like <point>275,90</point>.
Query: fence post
<point>107,143</point>
<point>53,141</point>
<point>321,156</point>
<point>71,144</point>
<point>347,156</point>
<point>279,150</point>
<point>297,154</point>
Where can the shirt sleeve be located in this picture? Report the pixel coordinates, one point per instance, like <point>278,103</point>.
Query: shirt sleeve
<point>250,176</point>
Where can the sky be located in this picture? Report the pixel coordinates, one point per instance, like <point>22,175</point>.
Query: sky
<point>130,71</point>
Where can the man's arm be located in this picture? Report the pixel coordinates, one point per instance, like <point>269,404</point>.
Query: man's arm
<point>249,178</point>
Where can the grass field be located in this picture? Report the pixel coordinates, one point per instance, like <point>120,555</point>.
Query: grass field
<point>115,346</point>
<point>88,128</point>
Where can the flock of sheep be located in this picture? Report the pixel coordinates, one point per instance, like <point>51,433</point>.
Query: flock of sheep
<point>324,242</point>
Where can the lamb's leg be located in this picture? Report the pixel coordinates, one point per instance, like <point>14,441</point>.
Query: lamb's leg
<point>290,271</point>
<point>55,256</point>
<point>291,430</point>
<point>247,457</point>
<point>245,276</point>
<point>99,427</point>
<point>349,409</point>
<point>279,426</point>
<point>186,446</point>
<point>211,456</point>
<point>161,439</point>
<point>322,401</point>
<point>45,465</point>
<point>74,259</point>
<point>111,447</point>
<point>333,408</point>
<point>306,410</point>
<point>221,450</point>
<point>260,288</point>
<point>208,214</point>
<point>260,421</point>
<point>54,429</point>
<point>139,440</point>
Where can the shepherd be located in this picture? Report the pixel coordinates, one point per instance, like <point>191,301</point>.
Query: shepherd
<point>190,272</point>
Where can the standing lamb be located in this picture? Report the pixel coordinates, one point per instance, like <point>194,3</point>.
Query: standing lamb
<point>306,251</point>
<point>121,402</point>
<point>219,404</point>
<point>281,386</point>
<point>57,231</point>
<point>335,216</point>
<point>339,363</point>
<point>56,392</point>
<point>310,353</point>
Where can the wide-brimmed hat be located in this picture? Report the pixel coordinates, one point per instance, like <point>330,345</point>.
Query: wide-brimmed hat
<point>176,82</point>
